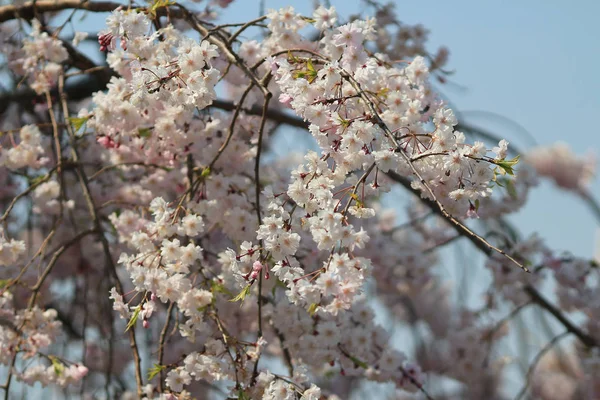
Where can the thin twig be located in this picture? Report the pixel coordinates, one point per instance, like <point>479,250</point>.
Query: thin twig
<point>440,206</point>
<point>84,183</point>
<point>537,359</point>
<point>267,99</point>
<point>161,345</point>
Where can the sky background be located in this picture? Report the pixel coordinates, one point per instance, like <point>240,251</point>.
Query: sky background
<point>522,68</point>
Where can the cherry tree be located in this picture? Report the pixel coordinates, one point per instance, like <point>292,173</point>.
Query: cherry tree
<point>156,243</point>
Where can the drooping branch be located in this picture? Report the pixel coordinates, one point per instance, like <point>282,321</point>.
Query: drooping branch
<point>533,293</point>
<point>112,268</point>
<point>537,359</point>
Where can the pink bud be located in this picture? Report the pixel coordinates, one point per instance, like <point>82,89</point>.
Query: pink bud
<point>472,212</point>
<point>257,266</point>
<point>107,142</point>
<point>106,41</point>
<point>81,371</point>
<point>146,324</point>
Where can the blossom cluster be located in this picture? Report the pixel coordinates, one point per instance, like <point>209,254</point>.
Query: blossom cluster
<point>558,163</point>
<point>39,59</point>
<point>28,332</point>
<point>27,153</point>
<point>164,77</point>
<point>10,250</point>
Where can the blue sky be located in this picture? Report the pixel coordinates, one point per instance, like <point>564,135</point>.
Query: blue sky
<point>534,64</point>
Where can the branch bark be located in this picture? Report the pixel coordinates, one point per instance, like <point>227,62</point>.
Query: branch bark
<point>28,10</point>
<point>533,293</point>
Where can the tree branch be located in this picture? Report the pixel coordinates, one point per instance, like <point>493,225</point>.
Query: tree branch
<point>533,293</point>
<point>28,10</point>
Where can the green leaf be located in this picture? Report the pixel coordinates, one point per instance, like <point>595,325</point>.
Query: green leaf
<point>78,122</point>
<point>312,72</point>
<point>134,318</point>
<point>58,366</point>
<point>344,122</point>
<point>359,203</point>
<point>155,370</point>
<point>299,74</point>
<point>383,92</point>
<point>291,57</point>
<point>217,287</point>
<point>145,132</point>
<point>159,4</point>
<point>242,295</point>
<point>510,188</point>
<point>4,283</point>
<point>38,179</point>
<point>356,361</point>
<point>506,166</point>
<point>495,178</point>
<point>205,173</point>
<point>476,205</point>
<point>242,395</point>
<point>312,309</point>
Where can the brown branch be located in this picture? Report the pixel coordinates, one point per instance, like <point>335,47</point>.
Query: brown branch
<point>6,386</point>
<point>236,113</point>
<point>36,288</point>
<point>537,359</point>
<point>244,27</point>
<point>26,192</point>
<point>264,83</point>
<point>377,119</point>
<point>286,352</point>
<point>84,183</point>
<point>28,10</point>
<point>537,297</point>
<point>533,293</point>
<point>161,346</point>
